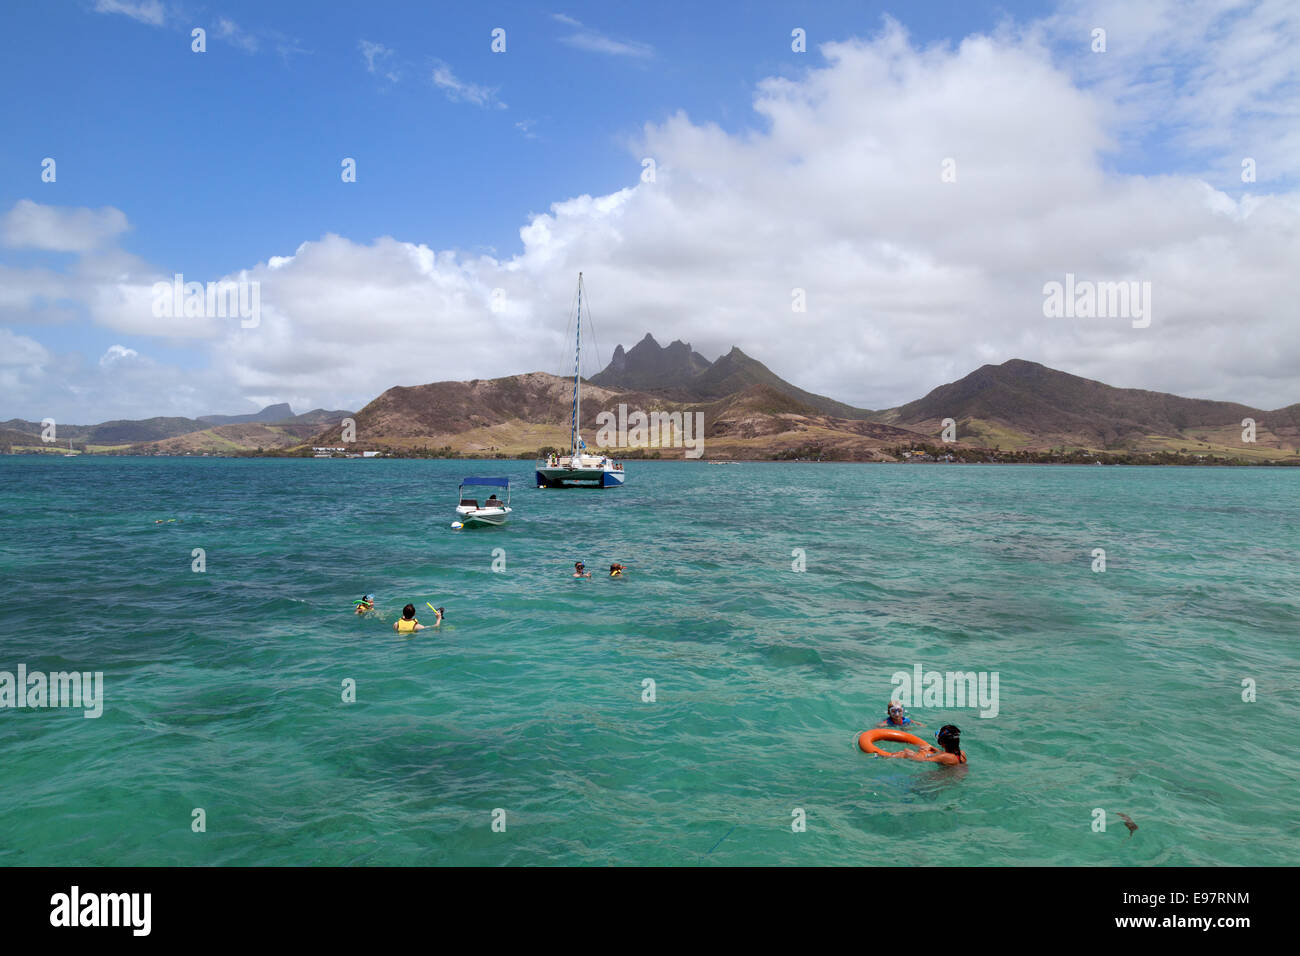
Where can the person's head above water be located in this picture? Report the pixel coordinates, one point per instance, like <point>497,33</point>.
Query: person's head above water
<point>895,711</point>
<point>949,737</point>
<point>408,612</point>
<point>578,566</point>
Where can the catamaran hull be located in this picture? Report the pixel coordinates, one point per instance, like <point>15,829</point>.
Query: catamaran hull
<point>578,478</point>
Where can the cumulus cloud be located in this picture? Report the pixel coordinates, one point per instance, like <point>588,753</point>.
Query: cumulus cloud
<point>838,190</point>
<point>114,288</point>
<point>31,225</point>
<point>116,354</point>
<point>70,387</point>
<point>20,350</point>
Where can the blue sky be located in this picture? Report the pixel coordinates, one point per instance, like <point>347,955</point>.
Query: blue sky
<point>222,160</point>
<point>197,146</point>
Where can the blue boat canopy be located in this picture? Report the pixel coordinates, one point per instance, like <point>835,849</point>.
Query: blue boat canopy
<point>495,482</point>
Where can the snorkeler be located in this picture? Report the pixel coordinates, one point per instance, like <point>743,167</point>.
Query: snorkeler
<point>949,737</point>
<point>580,570</point>
<point>896,716</point>
<point>408,623</point>
<point>616,570</point>
<point>366,604</point>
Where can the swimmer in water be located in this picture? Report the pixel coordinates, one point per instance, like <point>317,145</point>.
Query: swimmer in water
<point>896,716</point>
<point>580,570</point>
<point>949,737</point>
<point>409,624</point>
<point>366,604</point>
<point>616,570</point>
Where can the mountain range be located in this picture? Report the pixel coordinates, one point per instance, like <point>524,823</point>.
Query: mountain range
<point>1015,408</point>
<point>275,426</point>
<point>750,412</point>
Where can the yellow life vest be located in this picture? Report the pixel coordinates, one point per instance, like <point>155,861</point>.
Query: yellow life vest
<point>406,627</point>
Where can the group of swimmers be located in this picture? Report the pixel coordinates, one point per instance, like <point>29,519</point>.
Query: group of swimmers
<point>408,623</point>
<point>580,570</point>
<point>948,737</point>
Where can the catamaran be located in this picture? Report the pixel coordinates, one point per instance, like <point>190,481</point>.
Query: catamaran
<point>493,511</point>
<point>578,468</point>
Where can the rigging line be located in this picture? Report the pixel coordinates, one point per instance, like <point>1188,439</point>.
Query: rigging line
<point>561,364</point>
<point>561,395</point>
<point>591,324</point>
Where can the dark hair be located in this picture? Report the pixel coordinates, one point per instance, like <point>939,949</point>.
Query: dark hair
<point>949,737</point>
<point>408,612</point>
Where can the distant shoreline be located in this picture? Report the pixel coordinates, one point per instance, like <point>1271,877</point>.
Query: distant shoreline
<point>1171,462</point>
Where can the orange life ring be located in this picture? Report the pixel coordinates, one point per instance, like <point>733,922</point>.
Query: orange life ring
<point>867,741</point>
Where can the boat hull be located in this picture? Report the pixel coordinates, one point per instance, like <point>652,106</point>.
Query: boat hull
<point>561,477</point>
<point>483,517</point>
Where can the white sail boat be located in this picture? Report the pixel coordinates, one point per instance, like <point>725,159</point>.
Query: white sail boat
<point>578,468</point>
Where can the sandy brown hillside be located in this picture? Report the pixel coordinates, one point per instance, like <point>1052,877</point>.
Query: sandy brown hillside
<point>452,408</point>
<point>1021,404</point>
<point>1021,410</point>
<point>227,439</point>
<point>762,422</point>
<point>520,415</point>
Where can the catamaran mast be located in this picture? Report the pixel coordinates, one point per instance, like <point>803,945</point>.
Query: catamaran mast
<point>577,366</point>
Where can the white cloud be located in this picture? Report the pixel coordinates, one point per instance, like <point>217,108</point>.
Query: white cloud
<point>34,226</point>
<point>114,288</point>
<point>155,13</point>
<point>585,38</point>
<point>230,31</point>
<point>20,350</point>
<point>459,91</point>
<point>146,11</point>
<point>117,354</point>
<point>910,281</point>
<point>1216,80</point>
<point>371,52</point>
<point>381,60</point>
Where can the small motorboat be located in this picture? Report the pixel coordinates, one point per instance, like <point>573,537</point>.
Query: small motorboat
<point>493,511</point>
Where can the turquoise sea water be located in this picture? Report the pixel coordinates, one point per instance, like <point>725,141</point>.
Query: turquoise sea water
<point>1118,690</point>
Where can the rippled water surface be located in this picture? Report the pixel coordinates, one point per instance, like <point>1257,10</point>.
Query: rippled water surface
<point>1119,690</point>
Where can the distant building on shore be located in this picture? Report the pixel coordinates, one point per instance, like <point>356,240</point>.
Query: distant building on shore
<point>327,452</point>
